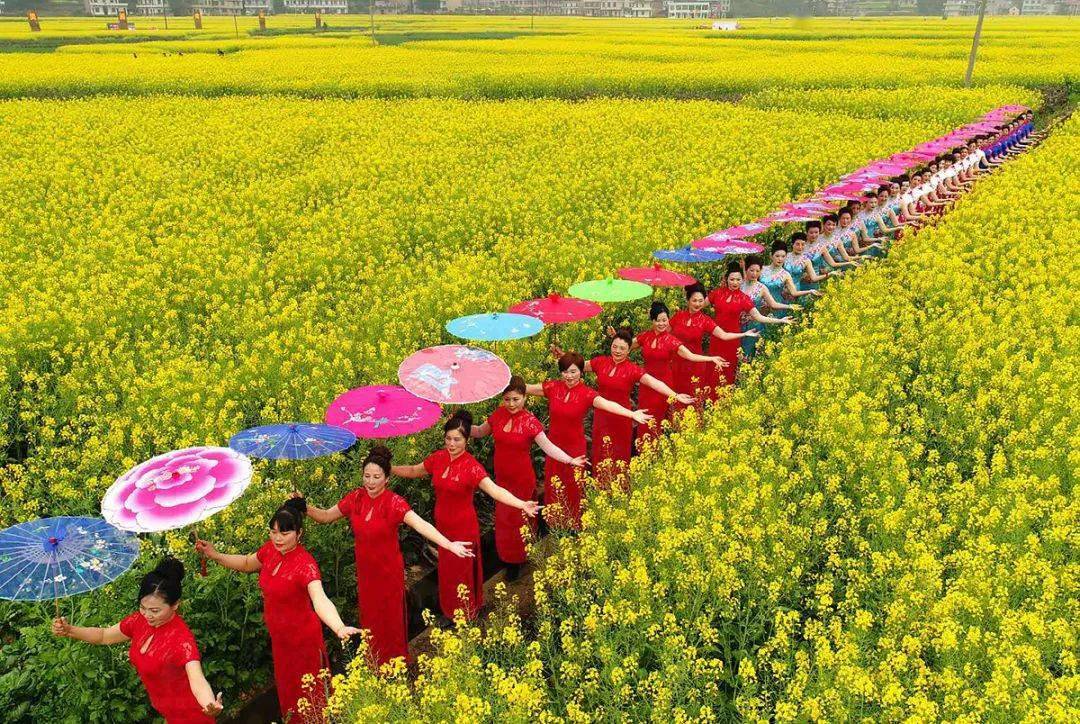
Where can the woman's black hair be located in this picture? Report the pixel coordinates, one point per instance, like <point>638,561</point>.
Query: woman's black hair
<point>625,334</point>
<point>798,236</point>
<point>657,308</point>
<point>379,455</point>
<point>752,260</point>
<point>695,288</point>
<point>461,421</point>
<point>829,217</point>
<point>289,517</point>
<point>165,581</point>
<point>812,224</point>
<point>516,384</point>
<point>845,210</point>
<point>779,246</point>
<point>733,268</point>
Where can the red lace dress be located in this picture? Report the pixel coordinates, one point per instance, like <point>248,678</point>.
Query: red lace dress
<point>613,435</point>
<point>693,378</point>
<point>380,570</point>
<point>296,636</point>
<point>161,666</point>
<point>567,407</point>
<point>660,352</point>
<point>455,481</point>
<point>729,308</point>
<point>514,435</point>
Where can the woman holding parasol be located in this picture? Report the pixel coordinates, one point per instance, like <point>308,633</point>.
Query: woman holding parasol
<point>294,604</point>
<point>375,513</point>
<point>163,650</point>
<point>456,475</point>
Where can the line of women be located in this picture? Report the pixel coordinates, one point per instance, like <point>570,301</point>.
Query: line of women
<point>688,357</point>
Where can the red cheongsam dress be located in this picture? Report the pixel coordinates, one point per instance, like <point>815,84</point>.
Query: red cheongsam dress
<point>380,570</point>
<point>567,407</point>
<point>660,352</point>
<point>296,636</point>
<point>693,378</point>
<point>514,435</point>
<point>729,308</point>
<point>613,435</point>
<point>455,481</point>
<point>159,655</point>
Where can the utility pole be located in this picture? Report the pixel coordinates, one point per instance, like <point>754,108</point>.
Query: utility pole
<point>371,12</point>
<point>975,45</point>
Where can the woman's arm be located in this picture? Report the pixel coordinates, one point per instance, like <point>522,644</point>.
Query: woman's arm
<point>481,430</point>
<point>200,688</point>
<point>504,496</point>
<point>421,526</point>
<point>665,390</point>
<point>794,291</point>
<point>773,304</point>
<point>327,612</point>
<point>321,515</point>
<point>534,390</point>
<point>759,317</point>
<point>811,274</point>
<point>556,453</point>
<point>237,562</point>
<point>409,471</point>
<point>639,416</point>
<point>89,634</point>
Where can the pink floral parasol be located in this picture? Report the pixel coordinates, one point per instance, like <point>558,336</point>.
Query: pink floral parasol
<point>378,411</point>
<point>730,246</point>
<point>176,489</point>
<point>454,373</point>
<point>656,276</point>
<point>555,309</point>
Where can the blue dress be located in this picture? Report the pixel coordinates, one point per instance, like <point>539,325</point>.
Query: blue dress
<point>754,291</point>
<point>775,280</point>
<point>794,264</point>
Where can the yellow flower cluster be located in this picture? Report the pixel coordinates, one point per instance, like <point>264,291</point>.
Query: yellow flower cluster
<point>561,57</point>
<point>880,526</point>
<point>242,275</point>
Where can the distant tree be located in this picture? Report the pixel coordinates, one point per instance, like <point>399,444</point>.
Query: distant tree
<point>931,7</point>
<point>180,7</point>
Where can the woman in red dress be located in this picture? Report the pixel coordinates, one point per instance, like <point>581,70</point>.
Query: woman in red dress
<point>162,650</point>
<point>731,305</point>
<point>515,429</point>
<point>375,514</point>
<point>612,435</point>
<point>456,475</point>
<point>691,325</point>
<point>661,349</point>
<point>569,400</point>
<point>293,605</point>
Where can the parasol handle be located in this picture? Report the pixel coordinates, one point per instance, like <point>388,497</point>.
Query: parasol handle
<point>202,558</point>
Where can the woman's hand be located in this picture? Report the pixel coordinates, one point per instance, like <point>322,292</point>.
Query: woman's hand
<point>641,417</point>
<point>795,307</point>
<point>214,708</point>
<point>206,548</point>
<point>60,627</point>
<point>579,462</point>
<point>751,333</point>
<point>720,362</point>
<point>530,508</point>
<point>685,399</point>
<point>556,350</point>
<point>610,331</point>
<point>816,293</point>
<point>460,548</point>
<point>347,631</point>
<point>787,320</point>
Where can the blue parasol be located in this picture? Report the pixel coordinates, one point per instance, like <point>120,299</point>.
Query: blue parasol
<point>292,440</point>
<point>51,558</point>
<point>494,326</point>
<point>686,255</point>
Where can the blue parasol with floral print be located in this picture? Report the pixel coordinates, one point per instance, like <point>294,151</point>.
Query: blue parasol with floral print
<point>51,558</point>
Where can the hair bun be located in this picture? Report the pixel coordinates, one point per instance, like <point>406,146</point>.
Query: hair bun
<point>170,568</point>
<point>463,415</point>
<point>380,453</point>
<point>296,505</point>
